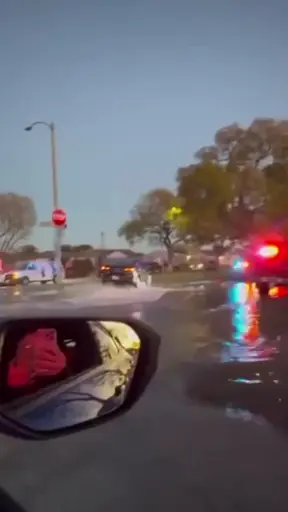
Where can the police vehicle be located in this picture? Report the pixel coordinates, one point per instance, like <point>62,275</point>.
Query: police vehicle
<point>38,271</point>
<point>263,261</point>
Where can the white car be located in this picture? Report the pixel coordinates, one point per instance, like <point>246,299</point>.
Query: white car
<point>38,271</point>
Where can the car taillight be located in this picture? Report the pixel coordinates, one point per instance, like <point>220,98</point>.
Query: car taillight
<point>129,269</point>
<point>104,267</point>
<point>268,251</point>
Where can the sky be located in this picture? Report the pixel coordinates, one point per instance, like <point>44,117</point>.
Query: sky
<point>134,89</point>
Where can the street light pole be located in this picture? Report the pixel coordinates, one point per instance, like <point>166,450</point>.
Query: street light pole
<point>54,166</point>
<point>102,243</point>
<point>55,193</point>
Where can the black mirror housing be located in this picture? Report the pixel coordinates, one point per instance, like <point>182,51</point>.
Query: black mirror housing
<point>121,379</point>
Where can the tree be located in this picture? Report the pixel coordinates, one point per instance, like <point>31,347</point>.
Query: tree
<point>17,219</point>
<point>66,248</point>
<point>150,220</point>
<point>250,146</point>
<point>206,193</point>
<point>29,248</point>
<point>236,185</point>
<point>276,204</point>
<point>29,251</point>
<point>246,152</point>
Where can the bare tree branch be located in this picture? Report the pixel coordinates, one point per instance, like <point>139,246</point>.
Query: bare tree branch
<point>17,219</point>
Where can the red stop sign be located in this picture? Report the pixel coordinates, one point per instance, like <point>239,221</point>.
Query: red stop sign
<point>59,217</point>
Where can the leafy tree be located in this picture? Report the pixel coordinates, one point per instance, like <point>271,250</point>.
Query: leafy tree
<point>276,173</point>
<point>250,146</point>
<point>17,220</point>
<point>276,204</point>
<point>134,230</point>
<point>237,185</point>
<point>246,152</point>
<point>29,249</point>
<point>66,248</point>
<point>206,193</point>
<point>150,220</point>
<point>27,252</point>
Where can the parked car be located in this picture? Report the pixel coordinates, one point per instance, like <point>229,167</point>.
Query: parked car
<point>211,263</point>
<point>79,267</point>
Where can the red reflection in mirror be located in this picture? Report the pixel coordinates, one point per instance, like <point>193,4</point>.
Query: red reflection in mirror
<point>38,355</point>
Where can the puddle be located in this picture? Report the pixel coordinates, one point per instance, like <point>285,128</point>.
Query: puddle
<point>244,370</point>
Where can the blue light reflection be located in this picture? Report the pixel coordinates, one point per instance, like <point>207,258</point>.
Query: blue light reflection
<point>246,343</point>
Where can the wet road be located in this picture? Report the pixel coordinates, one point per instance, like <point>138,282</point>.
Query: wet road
<point>171,451</point>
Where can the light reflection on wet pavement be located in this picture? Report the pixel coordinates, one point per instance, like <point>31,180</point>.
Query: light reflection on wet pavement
<point>244,366</point>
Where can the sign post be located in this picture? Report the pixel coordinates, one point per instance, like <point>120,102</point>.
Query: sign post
<point>45,224</point>
<point>59,222</point>
<point>59,218</point>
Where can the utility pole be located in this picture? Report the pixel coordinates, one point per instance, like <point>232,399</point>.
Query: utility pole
<point>58,231</point>
<point>102,238</point>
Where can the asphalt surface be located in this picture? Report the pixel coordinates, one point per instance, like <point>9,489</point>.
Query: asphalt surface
<point>170,451</point>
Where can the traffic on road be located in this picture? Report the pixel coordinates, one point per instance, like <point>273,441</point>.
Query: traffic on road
<point>263,260</point>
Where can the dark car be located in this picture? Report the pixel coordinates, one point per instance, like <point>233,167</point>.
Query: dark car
<point>211,263</point>
<point>79,267</point>
<point>264,262</point>
<point>125,272</point>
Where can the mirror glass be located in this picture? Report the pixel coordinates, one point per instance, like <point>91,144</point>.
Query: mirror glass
<point>58,373</point>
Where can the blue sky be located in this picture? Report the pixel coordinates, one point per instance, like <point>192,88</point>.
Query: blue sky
<point>135,88</point>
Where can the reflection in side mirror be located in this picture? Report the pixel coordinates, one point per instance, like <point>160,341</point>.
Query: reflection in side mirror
<point>60,373</point>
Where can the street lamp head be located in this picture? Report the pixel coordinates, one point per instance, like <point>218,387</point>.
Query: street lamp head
<point>28,128</point>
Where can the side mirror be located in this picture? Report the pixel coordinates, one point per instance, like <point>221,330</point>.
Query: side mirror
<point>63,374</point>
